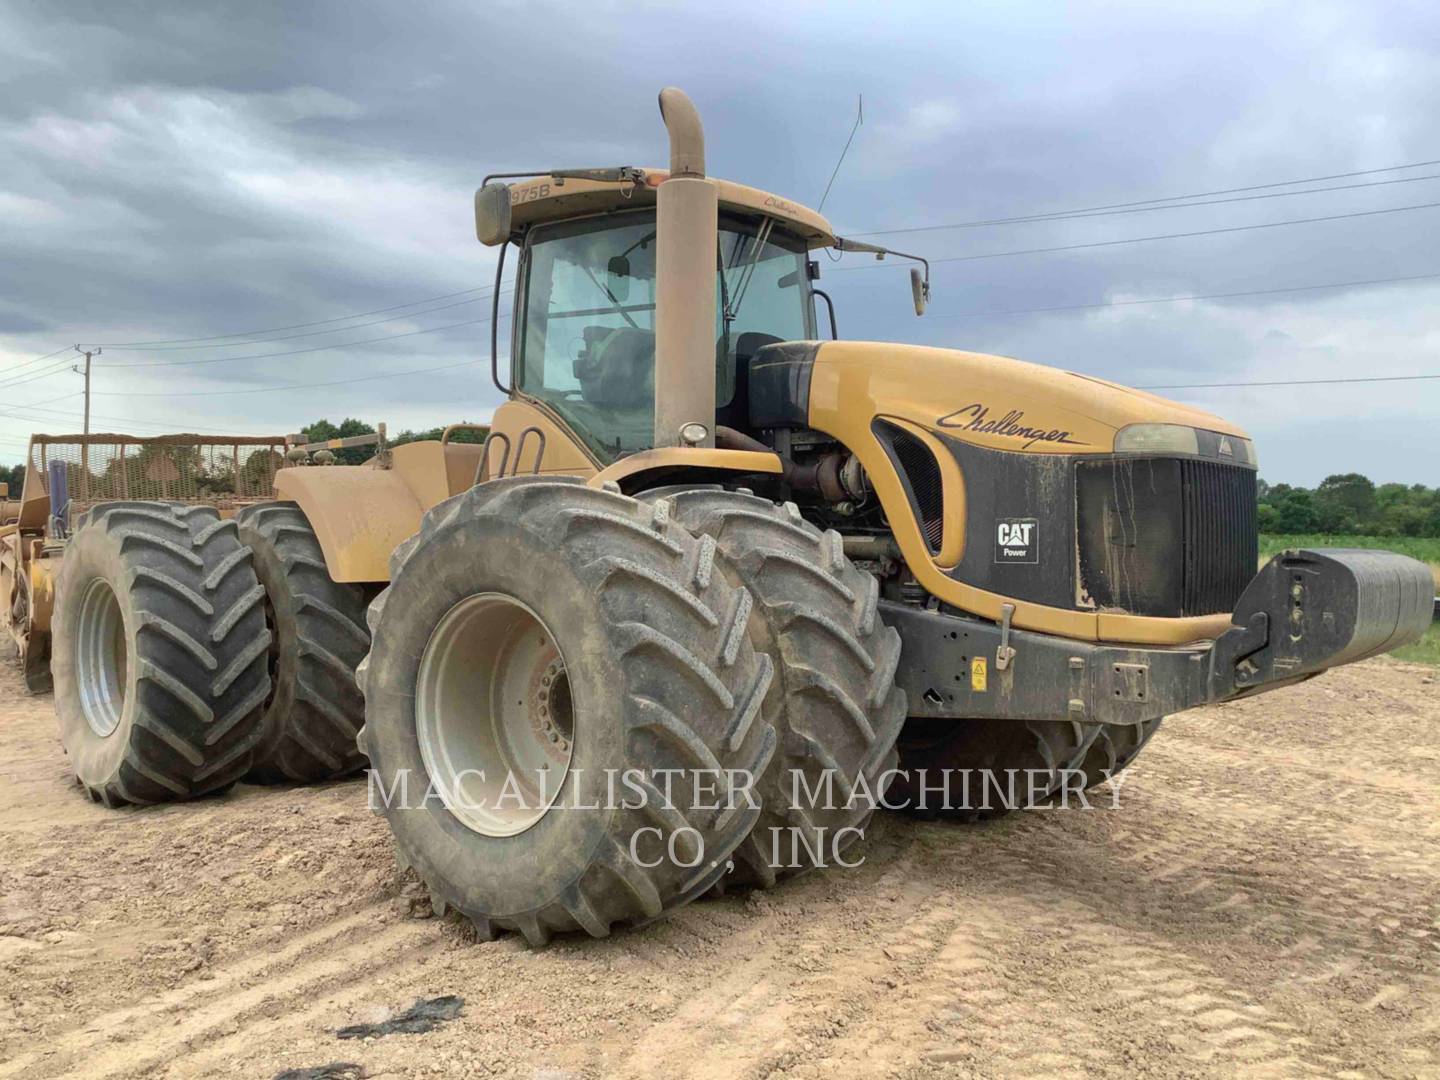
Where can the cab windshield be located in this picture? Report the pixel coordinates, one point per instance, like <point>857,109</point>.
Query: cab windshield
<point>586,337</point>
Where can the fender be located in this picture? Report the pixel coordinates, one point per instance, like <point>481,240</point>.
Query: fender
<point>360,515</point>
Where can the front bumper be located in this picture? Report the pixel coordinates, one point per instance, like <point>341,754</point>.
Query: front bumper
<point>1304,612</point>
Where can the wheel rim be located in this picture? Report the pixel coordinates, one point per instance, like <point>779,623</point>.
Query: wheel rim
<point>102,660</point>
<point>493,697</point>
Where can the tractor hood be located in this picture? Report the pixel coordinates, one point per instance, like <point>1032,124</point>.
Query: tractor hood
<point>992,401</point>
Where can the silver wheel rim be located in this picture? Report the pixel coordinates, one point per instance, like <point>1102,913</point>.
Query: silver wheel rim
<point>102,660</point>
<point>493,698</point>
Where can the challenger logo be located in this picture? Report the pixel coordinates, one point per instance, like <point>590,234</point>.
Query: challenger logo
<point>976,418</point>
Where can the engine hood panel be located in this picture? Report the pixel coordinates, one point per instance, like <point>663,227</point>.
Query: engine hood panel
<point>992,401</point>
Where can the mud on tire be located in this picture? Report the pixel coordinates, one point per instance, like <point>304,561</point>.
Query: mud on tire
<point>834,702</point>
<point>159,653</point>
<point>660,674</point>
<point>319,637</point>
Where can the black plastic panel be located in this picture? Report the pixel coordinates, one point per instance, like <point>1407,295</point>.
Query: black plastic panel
<point>1004,488</point>
<point>779,384</point>
<point>920,474</point>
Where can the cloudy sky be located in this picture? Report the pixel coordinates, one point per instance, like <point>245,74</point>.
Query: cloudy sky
<point>172,171</point>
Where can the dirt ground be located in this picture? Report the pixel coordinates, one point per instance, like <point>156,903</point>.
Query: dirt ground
<point>1266,899</point>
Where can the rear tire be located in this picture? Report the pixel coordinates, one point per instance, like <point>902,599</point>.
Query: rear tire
<point>159,653</point>
<point>1007,764</point>
<point>834,702</point>
<point>319,637</point>
<point>527,584</point>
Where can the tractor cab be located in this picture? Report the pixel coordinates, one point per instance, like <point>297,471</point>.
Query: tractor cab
<point>584,331</point>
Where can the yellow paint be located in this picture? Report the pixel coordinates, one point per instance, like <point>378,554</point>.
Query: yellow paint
<point>360,514</point>
<point>542,199</point>
<point>731,461</point>
<point>855,381</point>
<point>564,455</point>
<point>979,680</point>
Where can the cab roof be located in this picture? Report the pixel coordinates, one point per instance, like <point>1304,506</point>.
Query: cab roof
<point>544,198</point>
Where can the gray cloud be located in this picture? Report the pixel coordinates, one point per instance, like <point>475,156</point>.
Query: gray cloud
<point>172,171</point>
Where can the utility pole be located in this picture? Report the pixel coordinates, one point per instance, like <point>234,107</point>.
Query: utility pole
<point>85,446</point>
<point>87,353</point>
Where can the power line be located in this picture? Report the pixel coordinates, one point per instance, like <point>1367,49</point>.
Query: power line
<point>1291,382</point>
<point>291,337</point>
<point>293,326</point>
<point>34,406</point>
<point>1170,198</point>
<point>126,420</point>
<point>38,359</point>
<point>276,389</point>
<point>1179,299</point>
<point>1078,215</point>
<point>36,376</point>
<point>1163,236</point>
<point>298,352</point>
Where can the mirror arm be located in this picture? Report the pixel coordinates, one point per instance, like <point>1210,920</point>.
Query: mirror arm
<point>841,244</point>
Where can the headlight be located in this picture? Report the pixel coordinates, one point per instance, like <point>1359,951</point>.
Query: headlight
<point>1244,452</point>
<point>1157,439</point>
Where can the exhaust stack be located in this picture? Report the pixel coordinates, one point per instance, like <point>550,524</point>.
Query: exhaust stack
<point>687,209</point>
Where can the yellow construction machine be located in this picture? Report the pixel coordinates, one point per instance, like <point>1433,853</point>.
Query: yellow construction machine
<point>703,539</point>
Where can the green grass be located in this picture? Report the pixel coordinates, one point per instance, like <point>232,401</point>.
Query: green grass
<point>1424,651</point>
<point>1425,549</point>
<point>1427,649</point>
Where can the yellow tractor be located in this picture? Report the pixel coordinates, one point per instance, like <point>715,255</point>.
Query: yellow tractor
<point>702,543</point>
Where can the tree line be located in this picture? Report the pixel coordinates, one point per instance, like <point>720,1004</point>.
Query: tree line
<point>1350,503</point>
<point>321,430</point>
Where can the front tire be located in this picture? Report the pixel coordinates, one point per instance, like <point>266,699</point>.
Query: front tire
<point>159,653</point>
<point>540,627</point>
<point>834,702</point>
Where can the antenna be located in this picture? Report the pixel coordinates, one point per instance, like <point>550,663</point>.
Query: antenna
<point>859,119</point>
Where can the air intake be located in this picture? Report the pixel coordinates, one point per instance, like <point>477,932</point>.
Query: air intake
<point>920,475</point>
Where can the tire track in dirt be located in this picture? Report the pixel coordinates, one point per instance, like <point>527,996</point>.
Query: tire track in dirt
<point>157,1030</point>
<point>1263,901</point>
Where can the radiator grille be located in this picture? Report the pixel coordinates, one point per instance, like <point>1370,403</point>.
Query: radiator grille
<point>1165,536</point>
<point>921,474</point>
<point>1222,543</point>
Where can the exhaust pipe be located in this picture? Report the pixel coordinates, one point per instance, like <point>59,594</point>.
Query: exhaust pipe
<point>686,225</point>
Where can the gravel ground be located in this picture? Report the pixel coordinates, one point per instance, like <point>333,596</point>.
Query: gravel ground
<point>1264,899</point>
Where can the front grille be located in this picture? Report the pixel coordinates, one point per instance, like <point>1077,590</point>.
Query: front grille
<point>1222,537</point>
<point>1164,536</point>
<point>920,473</point>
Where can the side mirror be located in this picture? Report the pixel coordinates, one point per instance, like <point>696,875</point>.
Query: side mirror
<point>4,491</point>
<point>492,214</point>
<point>920,290</point>
<point>617,277</point>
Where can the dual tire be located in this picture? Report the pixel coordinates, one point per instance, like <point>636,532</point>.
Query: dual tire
<point>191,652</point>
<point>705,635</point>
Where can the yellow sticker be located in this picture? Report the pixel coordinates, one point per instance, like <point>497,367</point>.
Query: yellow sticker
<point>977,674</point>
